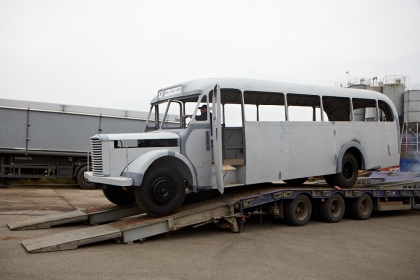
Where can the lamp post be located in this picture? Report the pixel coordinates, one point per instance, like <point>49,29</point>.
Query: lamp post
<point>348,79</point>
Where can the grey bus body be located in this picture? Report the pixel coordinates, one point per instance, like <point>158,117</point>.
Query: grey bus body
<point>39,140</point>
<point>349,129</point>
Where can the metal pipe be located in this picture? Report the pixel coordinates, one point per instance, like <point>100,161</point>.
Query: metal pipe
<point>126,157</point>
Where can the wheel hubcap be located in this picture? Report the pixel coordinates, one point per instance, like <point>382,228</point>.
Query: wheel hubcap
<point>301,211</point>
<point>364,207</point>
<point>163,190</point>
<point>335,208</point>
<point>348,170</point>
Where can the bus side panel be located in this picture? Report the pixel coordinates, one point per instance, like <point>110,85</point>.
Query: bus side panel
<point>307,148</point>
<point>266,151</point>
<point>390,156</point>
<point>367,134</point>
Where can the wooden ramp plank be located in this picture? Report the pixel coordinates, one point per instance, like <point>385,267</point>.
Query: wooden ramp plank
<point>71,239</point>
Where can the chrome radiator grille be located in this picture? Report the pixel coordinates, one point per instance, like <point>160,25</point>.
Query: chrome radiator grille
<point>96,156</point>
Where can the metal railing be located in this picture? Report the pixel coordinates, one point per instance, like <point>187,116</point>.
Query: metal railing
<point>410,138</point>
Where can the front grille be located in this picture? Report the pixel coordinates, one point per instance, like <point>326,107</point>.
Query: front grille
<point>96,156</point>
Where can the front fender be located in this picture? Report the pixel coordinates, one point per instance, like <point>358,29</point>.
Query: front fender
<point>138,167</point>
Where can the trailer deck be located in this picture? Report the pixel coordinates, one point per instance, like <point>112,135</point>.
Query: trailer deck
<point>231,209</point>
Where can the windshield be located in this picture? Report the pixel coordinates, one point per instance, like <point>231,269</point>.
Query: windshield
<point>175,113</point>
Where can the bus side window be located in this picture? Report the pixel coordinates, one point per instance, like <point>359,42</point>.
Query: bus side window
<point>364,110</point>
<point>264,106</point>
<point>336,108</point>
<point>302,107</point>
<point>385,112</point>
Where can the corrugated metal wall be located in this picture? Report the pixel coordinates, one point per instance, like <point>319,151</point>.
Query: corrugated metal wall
<point>58,131</point>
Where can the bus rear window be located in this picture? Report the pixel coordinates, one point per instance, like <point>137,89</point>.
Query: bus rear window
<point>336,108</point>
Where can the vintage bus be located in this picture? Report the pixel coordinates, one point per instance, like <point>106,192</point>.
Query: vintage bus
<point>252,132</point>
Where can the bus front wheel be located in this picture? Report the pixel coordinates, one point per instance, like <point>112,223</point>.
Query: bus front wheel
<point>161,193</point>
<point>349,172</point>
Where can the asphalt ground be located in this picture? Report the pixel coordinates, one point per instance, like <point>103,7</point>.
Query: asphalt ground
<point>387,246</point>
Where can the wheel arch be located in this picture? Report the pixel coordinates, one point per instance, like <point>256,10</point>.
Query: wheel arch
<point>138,168</point>
<point>356,150</point>
<point>177,164</point>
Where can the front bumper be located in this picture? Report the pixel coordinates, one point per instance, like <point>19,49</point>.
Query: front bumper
<point>114,181</point>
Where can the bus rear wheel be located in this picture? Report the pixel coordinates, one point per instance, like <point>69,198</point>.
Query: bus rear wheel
<point>349,172</point>
<point>118,195</point>
<point>297,212</point>
<point>161,193</point>
<point>332,210</point>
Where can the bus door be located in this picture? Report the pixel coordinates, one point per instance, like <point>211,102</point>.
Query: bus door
<point>217,137</point>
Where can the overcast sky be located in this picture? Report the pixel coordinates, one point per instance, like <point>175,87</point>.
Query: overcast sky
<point>117,54</point>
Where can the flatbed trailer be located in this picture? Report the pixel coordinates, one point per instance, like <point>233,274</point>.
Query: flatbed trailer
<point>231,210</point>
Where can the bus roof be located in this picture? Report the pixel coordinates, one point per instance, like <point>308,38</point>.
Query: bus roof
<point>204,85</point>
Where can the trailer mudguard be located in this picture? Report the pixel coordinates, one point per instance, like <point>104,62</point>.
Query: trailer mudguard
<point>138,167</point>
<point>348,145</point>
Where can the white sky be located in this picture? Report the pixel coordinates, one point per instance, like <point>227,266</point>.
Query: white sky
<point>117,54</point>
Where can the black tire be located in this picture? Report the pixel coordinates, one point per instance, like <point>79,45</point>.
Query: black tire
<point>161,193</point>
<point>332,210</point>
<point>295,182</point>
<point>349,172</point>
<point>119,196</point>
<point>82,182</point>
<point>330,180</point>
<point>297,212</point>
<point>361,208</point>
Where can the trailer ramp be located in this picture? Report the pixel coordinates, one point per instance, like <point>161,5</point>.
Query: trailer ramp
<point>132,229</point>
<point>93,215</point>
<point>143,226</point>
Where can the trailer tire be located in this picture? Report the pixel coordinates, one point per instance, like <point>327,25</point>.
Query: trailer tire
<point>332,210</point>
<point>361,208</point>
<point>82,182</point>
<point>349,172</point>
<point>297,212</point>
<point>119,196</point>
<point>295,182</point>
<point>161,193</point>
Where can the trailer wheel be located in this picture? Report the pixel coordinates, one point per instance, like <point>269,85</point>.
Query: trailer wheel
<point>349,172</point>
<point>297,212</point>
<point>361,208</point>
<point>298,181</point>
<point>161,193</point>
<point>82,182</point>
<point>332,210</point>
<point>119,196</point>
